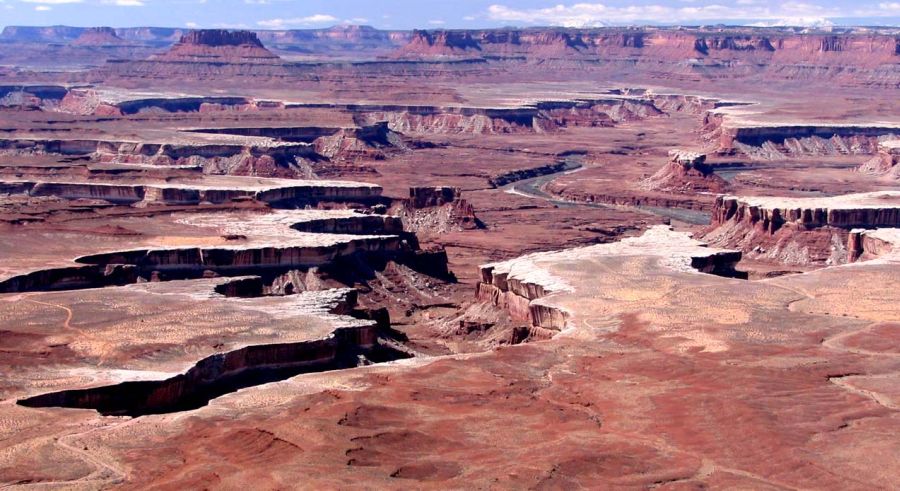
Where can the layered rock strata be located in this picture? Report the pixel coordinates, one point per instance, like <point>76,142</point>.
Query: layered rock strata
<point>870,210</point>
<point>763,140</point>
<point>263,190</point>
<point>99,36</point>
<point>800,230</point>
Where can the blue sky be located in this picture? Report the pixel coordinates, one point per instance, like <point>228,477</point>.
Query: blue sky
<point>407,14</point>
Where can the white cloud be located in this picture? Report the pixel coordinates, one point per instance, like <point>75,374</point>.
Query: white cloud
<point>43,8</point>
<point>124,3</point>
<point>192,25</point>
<point>436,22</point>
<point>297,21</point>
<point>599,14</point>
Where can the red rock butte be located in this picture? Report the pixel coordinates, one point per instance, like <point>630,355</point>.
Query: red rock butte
<point>99,36</point>
<point>218,46</point>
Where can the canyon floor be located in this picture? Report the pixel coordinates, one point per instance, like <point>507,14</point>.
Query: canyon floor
<point>439,272</point>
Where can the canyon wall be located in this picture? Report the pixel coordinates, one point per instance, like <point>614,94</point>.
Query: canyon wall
<point>298,192</point>
<point>800,231</point>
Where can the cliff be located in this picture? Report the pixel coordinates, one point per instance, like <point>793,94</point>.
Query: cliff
<point>867,210</point>
<point>266,191</point>
<point>775,141</point>
<point>682,54</point>
<point>799,231</point>
<point>440,43</point>
<point>873,244</point>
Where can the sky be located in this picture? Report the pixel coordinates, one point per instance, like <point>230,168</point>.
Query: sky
<point>409,14</point>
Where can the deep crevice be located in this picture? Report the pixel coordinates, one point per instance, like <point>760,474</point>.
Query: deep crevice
<point>223,373</point>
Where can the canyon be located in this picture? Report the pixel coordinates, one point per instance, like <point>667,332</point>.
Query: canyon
<point>550,258</point>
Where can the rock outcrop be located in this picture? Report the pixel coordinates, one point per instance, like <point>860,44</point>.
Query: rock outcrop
<point>886,163</point>
<point>260,157</point>
<point>870,210</point>
<point>685,172</point>
<point>435,210</point>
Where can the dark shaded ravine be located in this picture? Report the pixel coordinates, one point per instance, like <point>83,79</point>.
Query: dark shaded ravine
<point>223,373</point>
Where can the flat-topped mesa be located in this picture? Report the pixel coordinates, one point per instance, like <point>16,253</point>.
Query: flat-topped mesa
<point>221,37</point>
<point>261,157</point>
<point>269,245</point>
<point>685,171</point>
<point>521,285</point>
<point>99,36</point>
<point>886,162</point>
<point>762,46</point>
<point>440,43</point>
<point>219,46</point>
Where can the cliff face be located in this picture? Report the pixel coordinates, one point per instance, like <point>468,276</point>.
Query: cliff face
<point>679,53</point>
<point>862,210</point>
<point>666,44</point>
<point>872,244</point>
<point>296,191</point>
<point>776,141</point>
<point>799,231</point>
<point>441,43</point>
<point>220,37</point>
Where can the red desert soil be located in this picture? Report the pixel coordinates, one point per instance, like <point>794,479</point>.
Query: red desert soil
<point>322,258</point>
